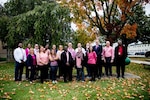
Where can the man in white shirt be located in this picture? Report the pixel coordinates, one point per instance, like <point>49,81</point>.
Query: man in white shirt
<point>20,58</point>
<point>80,46</point>
<point>36,49</point>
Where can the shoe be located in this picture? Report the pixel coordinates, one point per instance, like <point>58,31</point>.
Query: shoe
<point>99,77</point>
<point>56,82</point>
<point>65,81</point>
<point>83,81</point>
<point>53,82</point>
<point>122,76</point>
<point>31,82</point>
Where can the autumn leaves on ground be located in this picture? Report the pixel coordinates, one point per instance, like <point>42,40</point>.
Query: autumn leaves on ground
<point>104,89</point>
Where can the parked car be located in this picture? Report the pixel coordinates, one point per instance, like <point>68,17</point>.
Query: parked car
<point>139,53</point>
<point>147,54</point>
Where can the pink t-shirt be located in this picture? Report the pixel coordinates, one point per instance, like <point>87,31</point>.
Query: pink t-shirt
<point>108,52</point>
<point>34,59</point>
<point>42,58</point>
<point>92,58</point>
<point>78,62</point>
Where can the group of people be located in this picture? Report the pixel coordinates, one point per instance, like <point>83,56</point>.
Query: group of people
<point>47,61</point>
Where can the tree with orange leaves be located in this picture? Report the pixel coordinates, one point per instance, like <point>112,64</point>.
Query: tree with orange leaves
<point>110,17</point>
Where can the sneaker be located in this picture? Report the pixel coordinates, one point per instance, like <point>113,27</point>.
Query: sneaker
<point>56,82</point>
<point>53,82</point>
<point>31,82</point>
<point>83,81</point>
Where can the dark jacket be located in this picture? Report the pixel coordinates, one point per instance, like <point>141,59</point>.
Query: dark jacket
<point>64,59</point>
<point>117,57</point>
<point>98,50</point>
<point>30,60</point>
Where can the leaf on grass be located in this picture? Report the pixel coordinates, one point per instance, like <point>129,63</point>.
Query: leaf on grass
<point>74,98</point>
<point>42,96</point>
<point>41,90</point>
<point>31,92</point>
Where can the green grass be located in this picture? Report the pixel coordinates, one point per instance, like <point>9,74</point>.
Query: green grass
<point>104,89</point>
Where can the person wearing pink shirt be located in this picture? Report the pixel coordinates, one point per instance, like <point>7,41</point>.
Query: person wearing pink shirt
<point>27,53</point>
<point>42,62</point>
<point>92,59</point>
<point>47,50</point>
<point>79,65</point>
<point>108,57</point>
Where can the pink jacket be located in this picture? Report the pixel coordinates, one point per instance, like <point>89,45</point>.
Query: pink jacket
<point>42,59</point>
<point>92,58</point>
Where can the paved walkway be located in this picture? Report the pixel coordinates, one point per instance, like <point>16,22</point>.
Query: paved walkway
<point>127,76</point>
<point>141,62</point>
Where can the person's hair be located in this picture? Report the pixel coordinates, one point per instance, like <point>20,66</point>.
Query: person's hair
<point>90,47</point>
<point>40,48</point>
<point>30,50</point>
<point>54,52</point>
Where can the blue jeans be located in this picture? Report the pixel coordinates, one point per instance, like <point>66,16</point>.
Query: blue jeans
<point>18,71</point>
<point>54,72</point>
<point>80,74</point>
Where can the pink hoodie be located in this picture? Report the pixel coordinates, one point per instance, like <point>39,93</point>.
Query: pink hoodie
<point>92,58</point>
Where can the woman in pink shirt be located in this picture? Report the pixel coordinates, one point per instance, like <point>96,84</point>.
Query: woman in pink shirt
<point>79,64</point>
<point>92,58</point>
<point>27,53</point>
<point>42,62</point>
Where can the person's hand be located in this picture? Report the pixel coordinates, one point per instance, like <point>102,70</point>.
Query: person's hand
<point>67,64</point>
<point>22,61</point>
<point>112,60</point>
<point>29,67</point>
<point>104,61</point>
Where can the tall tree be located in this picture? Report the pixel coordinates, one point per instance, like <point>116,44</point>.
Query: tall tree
<point>47,22</point>
<point>143,23</point>
<point>109,17</point>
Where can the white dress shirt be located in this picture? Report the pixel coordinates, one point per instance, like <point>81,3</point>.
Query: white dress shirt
<point>19,54</point>
<point>83,51</point>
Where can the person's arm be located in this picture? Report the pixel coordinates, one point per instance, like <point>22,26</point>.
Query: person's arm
<point>56,58</point>
<point>24,55</point>
<point>103,54</point>
<point>95,55</point>
<point>16,56</point>
<point>112,57</point>
<point>38,59</point>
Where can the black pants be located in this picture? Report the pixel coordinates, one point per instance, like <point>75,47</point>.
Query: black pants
<point>18,71</point>
<point>99,68</point>
<point>67,73</point>
<point>108,66</point>
<point>60,68</point>
<point>92,70</point>
<point>32,72</point>
<point>120,64</point>
<point>43,70</point>
<point>27,72</point>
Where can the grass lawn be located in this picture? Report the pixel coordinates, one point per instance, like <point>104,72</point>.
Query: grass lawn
<point>104,89</point>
